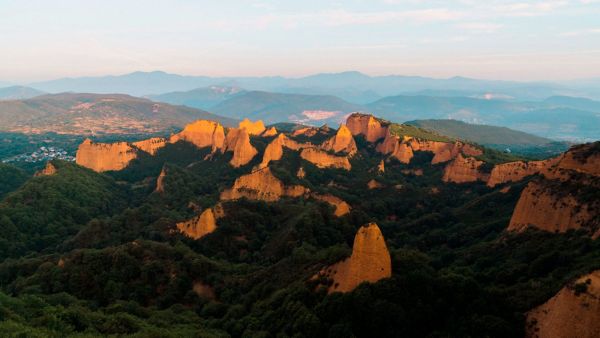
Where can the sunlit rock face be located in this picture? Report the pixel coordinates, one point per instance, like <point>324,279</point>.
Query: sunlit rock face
<point>370,261</point>
<point>395,147</point>
<point>199,226</point>
<point>462,170</point>
<point>516,171</point>
<point>152,145</point>
<point>367,125</point>
<point>203,133</point>
<point>270,132</point>
<point>252,128</point>
<point>322,159</point>
<point>160,180</point>
<point>572,312</point>
<point>261,185</point>
<point>554,201</point>
<point>103,156</point>
<point>238,141</point>
<point>342,141</point>
<point>274,150</point>
<point>48,170</point>
<point>341,207</point>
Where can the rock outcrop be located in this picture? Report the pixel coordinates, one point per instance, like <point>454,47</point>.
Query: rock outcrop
<point>370,127</point>
<point>274,150</point>
<point>160,180</point>
<point>370,261</point>
<point>203,133</point>
<point>322,159</point>
<point>105,156</point>
<point>48,170</point>
<point>152,145</point>
<point>396,148</point>
<point>252,128</point>
<point>342,141</point>
<point>373,184</point>
<point>341,207</point>
<point>270,132</point>
<point>381,167</point>
<point>261,185</point>
<point>199,226</point>
<point>573,312</point>
<point>300,173</point>
<point>238,141</point>
<point>463,169</point>
<point>563,197</point>
<point>516,171</point>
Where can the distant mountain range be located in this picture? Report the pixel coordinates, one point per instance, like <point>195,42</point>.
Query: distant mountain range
<point>18,93</point>
<point>351,86</point>
<point>97,114</point>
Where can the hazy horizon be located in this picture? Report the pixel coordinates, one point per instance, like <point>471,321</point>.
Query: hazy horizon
<point>515,40</point>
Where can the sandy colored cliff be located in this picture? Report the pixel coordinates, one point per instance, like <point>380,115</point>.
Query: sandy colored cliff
<point>252,128</point>
<point>238,141</point>
<point>48,170</point>
<point>463,169</point>
<point>342,141</point>
<point>274,150</point>
<point>270,132</point>
<point>160,180</point>
<point>203,133</point>
<point>370,261</point>
<point>516,171</point>
<point>105,156</point>
<point>341,207</point>
<point>152,145</point>
<point>569,313</point>
<point>261,185</point>
<point>199,226</point>
<point>322,159</point>
<point>371,128</point>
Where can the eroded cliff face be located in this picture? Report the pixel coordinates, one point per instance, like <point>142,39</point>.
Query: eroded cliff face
<point>152,145</point>
<point>238,141</point>
<point>370,261</point>
<point>261,185</point>
<point>270,132</point>
<point>516,171</point>
<point>322,159</point>
<point>395,147</point>
<point>160,180</point>
<point>199,226</point>
<point>105,156</point>
<point>274,150</point>
<point>203,133</point>
<point>367,125</point>
<point>563,197</point>
<point>544,208</point>
<point>569,313</point>
<point>252,128</point>
<point>48,170</point>
<point>342,141</point>
<point>341,207</point>
<point>463,169</point>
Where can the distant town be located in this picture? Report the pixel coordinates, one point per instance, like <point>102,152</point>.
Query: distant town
<point>41,155</point>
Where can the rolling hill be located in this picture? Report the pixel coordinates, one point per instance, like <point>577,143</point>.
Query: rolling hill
<point>71,113</point>
<point>278,107</point>
<point>201,98</point>
<point>18,93</point>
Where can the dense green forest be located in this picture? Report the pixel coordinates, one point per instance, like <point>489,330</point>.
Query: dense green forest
<point>89,254</point>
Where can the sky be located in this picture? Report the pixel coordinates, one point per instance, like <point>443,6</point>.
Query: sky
<point>507,40</point>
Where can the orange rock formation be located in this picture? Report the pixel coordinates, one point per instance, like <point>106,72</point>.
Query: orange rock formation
<point>274,150</point>
<point>270,132</point>
<point>160,180</point>
<point>49,170</point>
<point>103,156</point>
<point>261,185</point>
<point>203,133</point>
<point>322,159</point>
<point>300,173</point>
<point>367,125</point>
<point>199,226</point>
<point>253,128</point>
<point>373,184</point>
<point>370,261</point>
<point>463,169</point>
<point>341,207</point>
<point>342,141</point>
<point>381,167</point>
<point>516,171</point>
<point>238,141</point>
<point>569,314</point>
<point>152,145</point>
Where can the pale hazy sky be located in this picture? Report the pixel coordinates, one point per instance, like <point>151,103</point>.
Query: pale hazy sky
<point>519,40</point>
